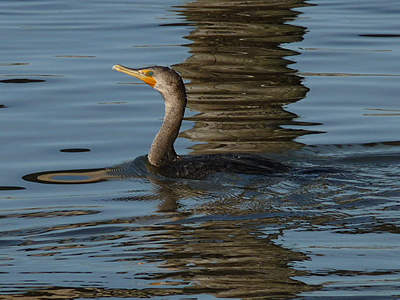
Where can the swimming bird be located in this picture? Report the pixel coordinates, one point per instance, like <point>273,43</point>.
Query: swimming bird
<point>162,158</point>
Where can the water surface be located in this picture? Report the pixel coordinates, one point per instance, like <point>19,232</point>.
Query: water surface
<point>312,84</point>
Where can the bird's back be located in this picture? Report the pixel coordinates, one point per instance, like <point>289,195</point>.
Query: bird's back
<point>199,167</point>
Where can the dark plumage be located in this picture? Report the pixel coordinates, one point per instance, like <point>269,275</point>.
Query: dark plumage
<point>162,157</point>
<point>199,167</point>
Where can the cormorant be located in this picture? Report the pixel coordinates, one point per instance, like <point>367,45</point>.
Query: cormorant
<point>162,158</point>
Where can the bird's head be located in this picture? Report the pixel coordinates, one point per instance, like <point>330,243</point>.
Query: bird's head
<point>163,79</point>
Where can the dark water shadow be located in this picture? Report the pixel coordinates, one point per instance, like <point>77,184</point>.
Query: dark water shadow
<point>217,258</point>
<point>21,80</point>
<point>220,254</point>
<point>240,76</point>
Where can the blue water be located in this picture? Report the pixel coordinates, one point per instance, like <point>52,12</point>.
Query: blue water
<point>313,85</point>
<point>353,50</point>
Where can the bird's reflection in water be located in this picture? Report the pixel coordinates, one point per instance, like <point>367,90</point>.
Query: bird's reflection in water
<point>217,253</point>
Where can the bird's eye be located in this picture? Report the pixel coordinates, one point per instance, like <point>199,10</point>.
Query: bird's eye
<point>150,73</point>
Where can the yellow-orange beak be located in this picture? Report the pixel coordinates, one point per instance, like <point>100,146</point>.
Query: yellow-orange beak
<point>142,74</point>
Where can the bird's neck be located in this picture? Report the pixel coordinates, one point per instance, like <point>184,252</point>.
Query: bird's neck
<point>162,150</point>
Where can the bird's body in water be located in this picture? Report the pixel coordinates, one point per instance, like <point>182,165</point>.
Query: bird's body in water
<point>162,158</point>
